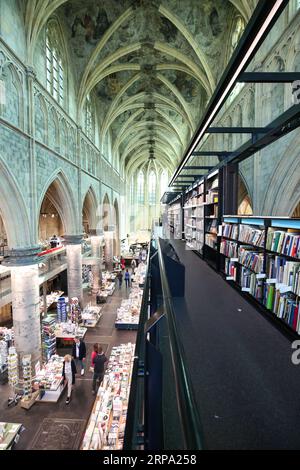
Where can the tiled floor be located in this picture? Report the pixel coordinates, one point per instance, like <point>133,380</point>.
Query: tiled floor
<point>59,415</point>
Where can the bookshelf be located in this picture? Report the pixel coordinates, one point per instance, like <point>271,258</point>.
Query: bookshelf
<point>212,214</point>
<point>194,217</point>
<point>174,219</point>
<point>261,256</point>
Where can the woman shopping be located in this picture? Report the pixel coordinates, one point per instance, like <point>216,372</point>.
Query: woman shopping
<point>68,373</point>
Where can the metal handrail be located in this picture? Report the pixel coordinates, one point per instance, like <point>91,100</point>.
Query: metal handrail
<point>189,418</point>
<point>138,357</point>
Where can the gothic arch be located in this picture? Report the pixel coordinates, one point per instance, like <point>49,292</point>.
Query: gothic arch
<point>285,180</point>
<point>14,211</point>
<point>106,213</point>
<point>89,208</point>
<point>60,194</point>
<point>13,111</point>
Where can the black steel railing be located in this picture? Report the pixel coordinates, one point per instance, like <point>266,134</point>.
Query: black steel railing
<point>181,422</point>
<point>186,405</point>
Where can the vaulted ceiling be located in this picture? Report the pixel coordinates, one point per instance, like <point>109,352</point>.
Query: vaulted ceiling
<point>149,65</point>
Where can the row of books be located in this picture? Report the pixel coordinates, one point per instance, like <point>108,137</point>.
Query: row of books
<point>249,234</point>
<point>285,306</point>
<point>285,243</point>
<point>249,282</point>
<point>230,269</point>
<point>229,249</point>
<point>251,259</point>
<point>284,271</point>
<point>230,231</point>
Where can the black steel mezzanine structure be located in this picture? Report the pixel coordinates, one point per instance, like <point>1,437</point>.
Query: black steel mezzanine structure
<point>262,20</point>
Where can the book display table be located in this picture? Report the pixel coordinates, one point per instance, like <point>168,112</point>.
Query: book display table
<point>128,315</point>
<point>91,316</point>
<point>106,426</point>
<point>50,381</point>
<point>9,434</point>
<point>69,331</point>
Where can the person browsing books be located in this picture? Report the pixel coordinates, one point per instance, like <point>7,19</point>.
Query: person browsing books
<point>79,352</point>
<point>99,363</point>
<point>68,373</point>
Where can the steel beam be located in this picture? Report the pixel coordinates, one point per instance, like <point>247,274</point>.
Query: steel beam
<point>237,130</point>
<point>210,153</point>
<point>197,168</point>
<point>269,77</point>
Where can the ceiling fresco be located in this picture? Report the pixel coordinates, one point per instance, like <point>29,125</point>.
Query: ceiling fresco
<point>152,66</point>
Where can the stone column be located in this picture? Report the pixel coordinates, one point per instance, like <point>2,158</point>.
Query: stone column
<point>26,301</point>
<point>109,247</point>
<point>45,297</point>
<point>96,244</point>
<point>74,266</point>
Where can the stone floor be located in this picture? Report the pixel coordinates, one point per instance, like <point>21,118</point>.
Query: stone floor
<point>44,422</point>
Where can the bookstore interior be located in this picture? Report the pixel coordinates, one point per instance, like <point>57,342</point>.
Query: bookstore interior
<point>149,225</point>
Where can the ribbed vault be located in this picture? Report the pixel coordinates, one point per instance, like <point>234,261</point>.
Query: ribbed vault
<point>150,65</point>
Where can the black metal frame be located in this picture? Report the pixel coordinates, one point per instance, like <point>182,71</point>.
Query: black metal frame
<point>253,36</point>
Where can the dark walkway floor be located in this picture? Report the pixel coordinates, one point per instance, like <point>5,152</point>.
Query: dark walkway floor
<point>78,411</point>
<point>245,384</point>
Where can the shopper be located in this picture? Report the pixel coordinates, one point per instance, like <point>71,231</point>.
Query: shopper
<point>94,354</point>
<point>68,373</point>
<point>120,277</point>
<point>53,241</point>
<point>122,264</point>
<point>99,362</point>
<point>133,265</point>
<point>127,279</point>
<point>79,352</point>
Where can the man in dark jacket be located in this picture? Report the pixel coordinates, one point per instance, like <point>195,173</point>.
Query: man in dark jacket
<point>99,362</point>
<point>79,353</point>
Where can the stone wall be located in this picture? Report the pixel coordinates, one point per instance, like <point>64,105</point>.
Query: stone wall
<point>40,143</point>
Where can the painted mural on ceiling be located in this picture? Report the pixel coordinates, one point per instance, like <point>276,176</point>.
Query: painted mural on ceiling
<point>154,61</point>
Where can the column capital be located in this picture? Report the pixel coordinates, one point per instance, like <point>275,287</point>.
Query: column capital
<point>72,239</point>
<point>23,256</point>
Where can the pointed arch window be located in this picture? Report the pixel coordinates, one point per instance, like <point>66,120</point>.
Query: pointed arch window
<point>237,32</point>
<point>140,188</point>
<point>163,181</point>
<point>54,66</point>
<point>89,118</point>
<point>152,188</point>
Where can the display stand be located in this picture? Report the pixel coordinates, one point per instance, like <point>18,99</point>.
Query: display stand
<point>90,316</point>
<point>9,434</point>
<point>106,426</point>
<point>49,381</point>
